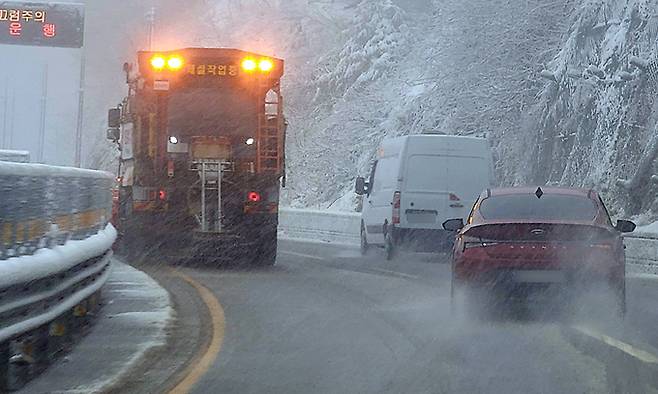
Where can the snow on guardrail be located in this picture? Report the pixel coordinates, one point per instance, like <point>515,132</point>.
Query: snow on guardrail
<point>55,255</point>
<point>49,262</point>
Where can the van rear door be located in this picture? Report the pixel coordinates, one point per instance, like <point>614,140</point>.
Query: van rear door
<point>441,187</point>
<point>425,192</point>
<point>467,177</point>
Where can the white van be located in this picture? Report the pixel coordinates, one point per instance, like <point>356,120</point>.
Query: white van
<point>417,182</point>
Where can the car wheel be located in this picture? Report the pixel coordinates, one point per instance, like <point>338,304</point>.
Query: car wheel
<point>364,240</point>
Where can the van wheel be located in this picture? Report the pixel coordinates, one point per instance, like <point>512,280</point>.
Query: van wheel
<point>364,240</point>
<point>389,248</point>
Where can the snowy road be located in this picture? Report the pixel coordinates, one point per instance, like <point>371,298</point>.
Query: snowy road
<point>326,320</point>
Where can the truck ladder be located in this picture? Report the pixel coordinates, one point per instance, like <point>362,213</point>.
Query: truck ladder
<point>211,174</point>
<point>270,135</point>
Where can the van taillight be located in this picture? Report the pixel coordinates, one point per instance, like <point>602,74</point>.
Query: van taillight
<point>454,197</point>
<point>396,208</point>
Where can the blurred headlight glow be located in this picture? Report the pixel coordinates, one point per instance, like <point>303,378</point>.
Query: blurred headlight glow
<point>158,62</point>
<point>265,65</point>
<point>175,63</point>
<point>249,64</point>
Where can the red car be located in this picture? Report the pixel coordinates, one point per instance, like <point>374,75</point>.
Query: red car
<point>521,238</point>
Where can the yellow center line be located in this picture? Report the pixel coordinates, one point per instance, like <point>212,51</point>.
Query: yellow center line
<point>201,365</point>
<point>639,354</point>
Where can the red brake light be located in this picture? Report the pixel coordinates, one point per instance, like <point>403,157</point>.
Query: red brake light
<point>396,208</point>
<point>454,197</point>
<point>254,196</point>
<point>162,195</point>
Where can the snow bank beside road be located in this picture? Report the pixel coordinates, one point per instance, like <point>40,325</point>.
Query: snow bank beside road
<point>133,321</point>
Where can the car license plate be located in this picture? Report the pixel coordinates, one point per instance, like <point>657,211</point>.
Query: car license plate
<point>536,276</point>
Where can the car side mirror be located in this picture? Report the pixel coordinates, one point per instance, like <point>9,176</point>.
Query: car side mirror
<point>625,226</point>
<point>114,118</point>
<point>113,134</point>
<point>360,187</point>
<point>453,224</point>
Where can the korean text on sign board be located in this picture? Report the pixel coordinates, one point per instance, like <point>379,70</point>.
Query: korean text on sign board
<point>42,24</point>
<point>213,69</point>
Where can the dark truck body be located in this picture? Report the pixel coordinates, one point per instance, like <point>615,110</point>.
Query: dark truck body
<point>202,155</point>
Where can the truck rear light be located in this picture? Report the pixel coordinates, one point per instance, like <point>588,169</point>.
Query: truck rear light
<point>396,208</point>
<point>158,62</point>
<point>175,63</point>
<point>249,64</point>
<point>265,65</point>
<point>162,195</point>
<point>253,197</point>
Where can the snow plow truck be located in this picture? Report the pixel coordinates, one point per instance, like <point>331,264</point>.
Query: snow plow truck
<point>202,140</point>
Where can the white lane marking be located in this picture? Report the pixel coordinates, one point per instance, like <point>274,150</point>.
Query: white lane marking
<point>623,346</point>
<point>306,256</point>
<point>395,273</point>
<point>365,270</point>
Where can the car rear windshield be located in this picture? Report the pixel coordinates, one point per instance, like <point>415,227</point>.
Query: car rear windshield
<point>529,207</point>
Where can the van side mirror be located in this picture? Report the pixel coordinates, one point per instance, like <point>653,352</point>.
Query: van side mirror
<point>113,134</point>
<point>360,187</point>
<point>453,224</point>
<point>114,118</point>
<point>625,226</point>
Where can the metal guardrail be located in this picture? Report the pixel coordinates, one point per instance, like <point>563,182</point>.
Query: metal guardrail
<point>320,226</point>
<point>42,204</point>
<point>343,228</point>
<point>642,252</point>
<point>55,250</point>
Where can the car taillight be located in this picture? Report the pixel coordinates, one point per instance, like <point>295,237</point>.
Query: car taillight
<point>253,197</point>
<point>396,208</point>
<point>475,242</point>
